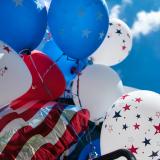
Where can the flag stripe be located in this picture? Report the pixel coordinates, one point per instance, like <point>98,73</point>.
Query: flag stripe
<point>25,115</point>
<point>53,136</point>
<point>26,105</point>
<point>79,124</point>
<point>52,125</point>
<point>24,134</point>
<point>15,125</point>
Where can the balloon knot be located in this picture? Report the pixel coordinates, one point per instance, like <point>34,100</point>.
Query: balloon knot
<point>25,51</point>
<point>74,70</point>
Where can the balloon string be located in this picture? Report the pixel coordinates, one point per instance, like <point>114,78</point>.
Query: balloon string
<point>78,82</point>
<point>45,87</point>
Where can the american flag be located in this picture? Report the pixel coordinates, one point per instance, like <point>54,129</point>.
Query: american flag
<point>37,130</point>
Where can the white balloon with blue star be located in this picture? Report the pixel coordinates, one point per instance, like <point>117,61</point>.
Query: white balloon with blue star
<point>133,123</point>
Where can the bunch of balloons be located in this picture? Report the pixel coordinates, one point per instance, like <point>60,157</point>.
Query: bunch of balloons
<point>44,50</point>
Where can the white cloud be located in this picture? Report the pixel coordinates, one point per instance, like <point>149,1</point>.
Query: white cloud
<point>146,22</point>
<point>127,1</point>
<point>117,9</point>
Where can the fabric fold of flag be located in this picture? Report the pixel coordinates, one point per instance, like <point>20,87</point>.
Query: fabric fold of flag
<point>38,130</point>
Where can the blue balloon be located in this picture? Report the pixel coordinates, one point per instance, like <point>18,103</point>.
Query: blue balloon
<point>68,66</point>
<point>23,23</point>
<point>87,150</point>
<point>78,26</point>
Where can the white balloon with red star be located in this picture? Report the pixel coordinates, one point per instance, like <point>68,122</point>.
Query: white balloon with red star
<point>133,123</point>
<point>15,77</point>
<point>116,46</point>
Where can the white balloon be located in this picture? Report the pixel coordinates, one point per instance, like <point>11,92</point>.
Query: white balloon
<point>134,124</point>
<point>128,89</point>
<point>15,78</point>
<point>99,87</point>
<point>116,45</point>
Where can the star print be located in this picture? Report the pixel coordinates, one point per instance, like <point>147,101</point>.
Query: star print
<point>117,115</point>
<point>119,32</point>
<point>157,129</point>
<point>138,116</point>
<point>39,4</point>
<point>146,141</point>
<point>150,119</point>
<point>124,97</point>
<point>125,127</point>
<point>154,154</point>
<point>81,13</point>
<point>86,33</point>
<point>18,2</point>
<point>99,16</point>
<point>158,114</point>
<point>7,49</point>
<point>136,126</point>
<point>139,100</point>
<point>124,47</point>
<point>101,35</point>
<point>114,106</point>
<point>127,107</point>
<point>133,149</point>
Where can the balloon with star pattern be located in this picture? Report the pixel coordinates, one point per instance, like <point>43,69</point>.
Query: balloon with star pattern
<point>15,77</point>
<point>78,27</point>
<point>116,46</point>
<point>133,123</point>
<point>23,23</point>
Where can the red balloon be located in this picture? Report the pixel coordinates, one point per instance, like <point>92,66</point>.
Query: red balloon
<point>48,81</point>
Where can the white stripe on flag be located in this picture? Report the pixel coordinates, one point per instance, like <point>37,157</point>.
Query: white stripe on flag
<point>17,124</point>
<point>51,138</point>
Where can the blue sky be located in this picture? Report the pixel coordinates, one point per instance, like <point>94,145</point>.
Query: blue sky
<point>142,68</point>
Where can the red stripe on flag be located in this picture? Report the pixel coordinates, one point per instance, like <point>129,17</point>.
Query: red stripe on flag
<point>27,115</point>
<point>51,152</point>
<point>20,138</point>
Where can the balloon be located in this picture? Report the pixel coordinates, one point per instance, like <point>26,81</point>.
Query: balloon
<point>48,81</point>
<point>128,89</point>
<point>78,27</point>
<point>15,78</point>
<point>99,86</point>
<point>134,124</point>
<point>22,19</point>
<point>66,64</point>
<point>116,45</point>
